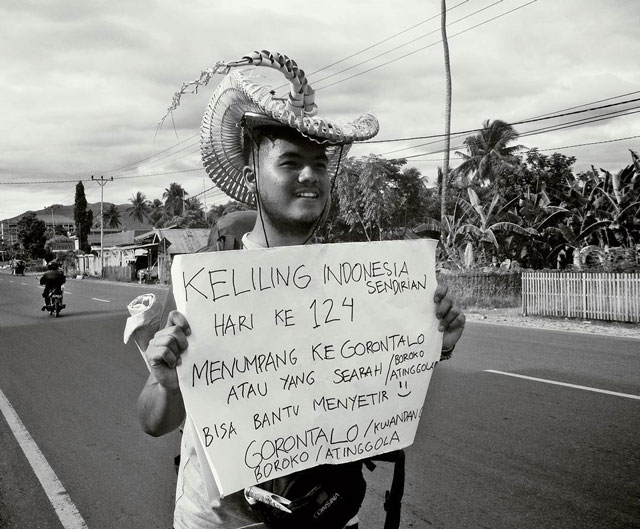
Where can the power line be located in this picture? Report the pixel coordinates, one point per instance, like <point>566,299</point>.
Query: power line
<point>551,128</point>
<point>89,180</point>
<point>133,165</point>
<point>213,188</point>
<point>549,115</point>
<point>384,40</point>
<point>426,47</point>
<point>592,103</point>
<point>438,137</point>
<point>160,162</point>
<point>549,149</point>
<point>544,130</point>
<point>587,144</point>
<point>158,174</point>
<point>151,156</point>
<point>377,43</point>
<point>437,30</point>
<point>583,121</point>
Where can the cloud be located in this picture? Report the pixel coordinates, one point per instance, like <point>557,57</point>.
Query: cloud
<point>85,83</point>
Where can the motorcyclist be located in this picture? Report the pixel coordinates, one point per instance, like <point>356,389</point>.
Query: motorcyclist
<point>52,280</point>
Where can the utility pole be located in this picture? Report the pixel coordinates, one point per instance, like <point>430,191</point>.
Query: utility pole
<point>204,197</point>
<point>447,129</point>
<point>102,182</point>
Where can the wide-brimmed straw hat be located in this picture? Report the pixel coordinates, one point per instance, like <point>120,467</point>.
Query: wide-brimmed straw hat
<point>241,101</point>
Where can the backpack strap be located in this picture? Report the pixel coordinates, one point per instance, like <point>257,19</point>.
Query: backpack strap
<point>228,231</point>
<point>392,497</point>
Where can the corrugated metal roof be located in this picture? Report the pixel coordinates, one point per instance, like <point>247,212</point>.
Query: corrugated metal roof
<point>120,238</point>
<point>184,240</point>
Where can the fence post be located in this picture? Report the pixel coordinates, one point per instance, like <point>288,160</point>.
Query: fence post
<point>584,296</point>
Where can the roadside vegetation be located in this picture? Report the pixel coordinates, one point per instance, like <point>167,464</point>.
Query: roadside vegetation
<point>506,207</point>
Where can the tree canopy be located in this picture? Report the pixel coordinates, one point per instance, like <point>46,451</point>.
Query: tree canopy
<point>83,218</point>
<point>31,232</point>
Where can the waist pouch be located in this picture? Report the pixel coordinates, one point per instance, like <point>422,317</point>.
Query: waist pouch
<point>324,497</point>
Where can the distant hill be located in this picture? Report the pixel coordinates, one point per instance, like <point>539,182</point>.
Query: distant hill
<point>64,214</point>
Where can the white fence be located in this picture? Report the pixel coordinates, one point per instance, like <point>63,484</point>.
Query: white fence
<point>600,296</point>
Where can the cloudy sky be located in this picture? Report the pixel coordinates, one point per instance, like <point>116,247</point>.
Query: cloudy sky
<point>86,82</point>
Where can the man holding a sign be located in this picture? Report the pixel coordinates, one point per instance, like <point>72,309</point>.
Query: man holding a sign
<point>285,357</point>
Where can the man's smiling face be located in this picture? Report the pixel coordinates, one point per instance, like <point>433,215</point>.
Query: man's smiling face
<point>293,183</point>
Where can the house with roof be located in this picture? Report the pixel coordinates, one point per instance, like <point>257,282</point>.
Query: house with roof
<point>137,255</point>
<point>163,244</point>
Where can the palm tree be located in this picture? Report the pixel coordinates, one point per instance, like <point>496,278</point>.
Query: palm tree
<point>174,197</point>
<point>139,208</point>
<point>111,217</point>
<point>156,212</point>
<point>486,151</point>
<point>193,204</point>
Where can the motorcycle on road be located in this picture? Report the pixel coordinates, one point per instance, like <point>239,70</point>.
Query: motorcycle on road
<point>55,304</point>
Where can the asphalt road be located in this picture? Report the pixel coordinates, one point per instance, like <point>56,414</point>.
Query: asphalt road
<point>492,451</point>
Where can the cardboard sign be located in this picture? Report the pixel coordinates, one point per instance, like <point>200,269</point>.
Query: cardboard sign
<point>305,355</point>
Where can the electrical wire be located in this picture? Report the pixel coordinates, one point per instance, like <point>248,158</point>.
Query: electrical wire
<point>148,157</point>
<point>474,131</point>
<point>134,165</point>
<point>355,54</point>
<point>544,130</point>
<point>549,149</point>
<point>437,30</point>
<point>159,163</point>
<point>425,47</point>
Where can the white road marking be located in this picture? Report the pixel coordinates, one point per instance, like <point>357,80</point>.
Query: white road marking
<point>25,284</point>
<point>575,386</point>
<point>66,510</point>
<point>103,300</point>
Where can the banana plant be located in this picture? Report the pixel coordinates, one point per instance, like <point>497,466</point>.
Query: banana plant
<point>484,222</point>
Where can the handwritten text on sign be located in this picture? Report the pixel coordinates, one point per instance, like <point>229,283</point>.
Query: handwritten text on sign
<point>306,355</point>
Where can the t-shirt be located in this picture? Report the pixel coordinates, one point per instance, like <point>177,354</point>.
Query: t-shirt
<point>194,509</point>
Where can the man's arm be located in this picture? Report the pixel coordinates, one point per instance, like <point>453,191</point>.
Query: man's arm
<point>160,405</point>
<point>160,410</point>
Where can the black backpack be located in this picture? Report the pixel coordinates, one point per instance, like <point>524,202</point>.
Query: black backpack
<point>323,497</point>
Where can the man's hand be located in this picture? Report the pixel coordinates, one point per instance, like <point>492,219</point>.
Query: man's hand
<point>451,318</point>
<point>165,348</point>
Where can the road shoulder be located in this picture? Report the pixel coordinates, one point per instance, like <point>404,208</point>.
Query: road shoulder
<point>514,317</point>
